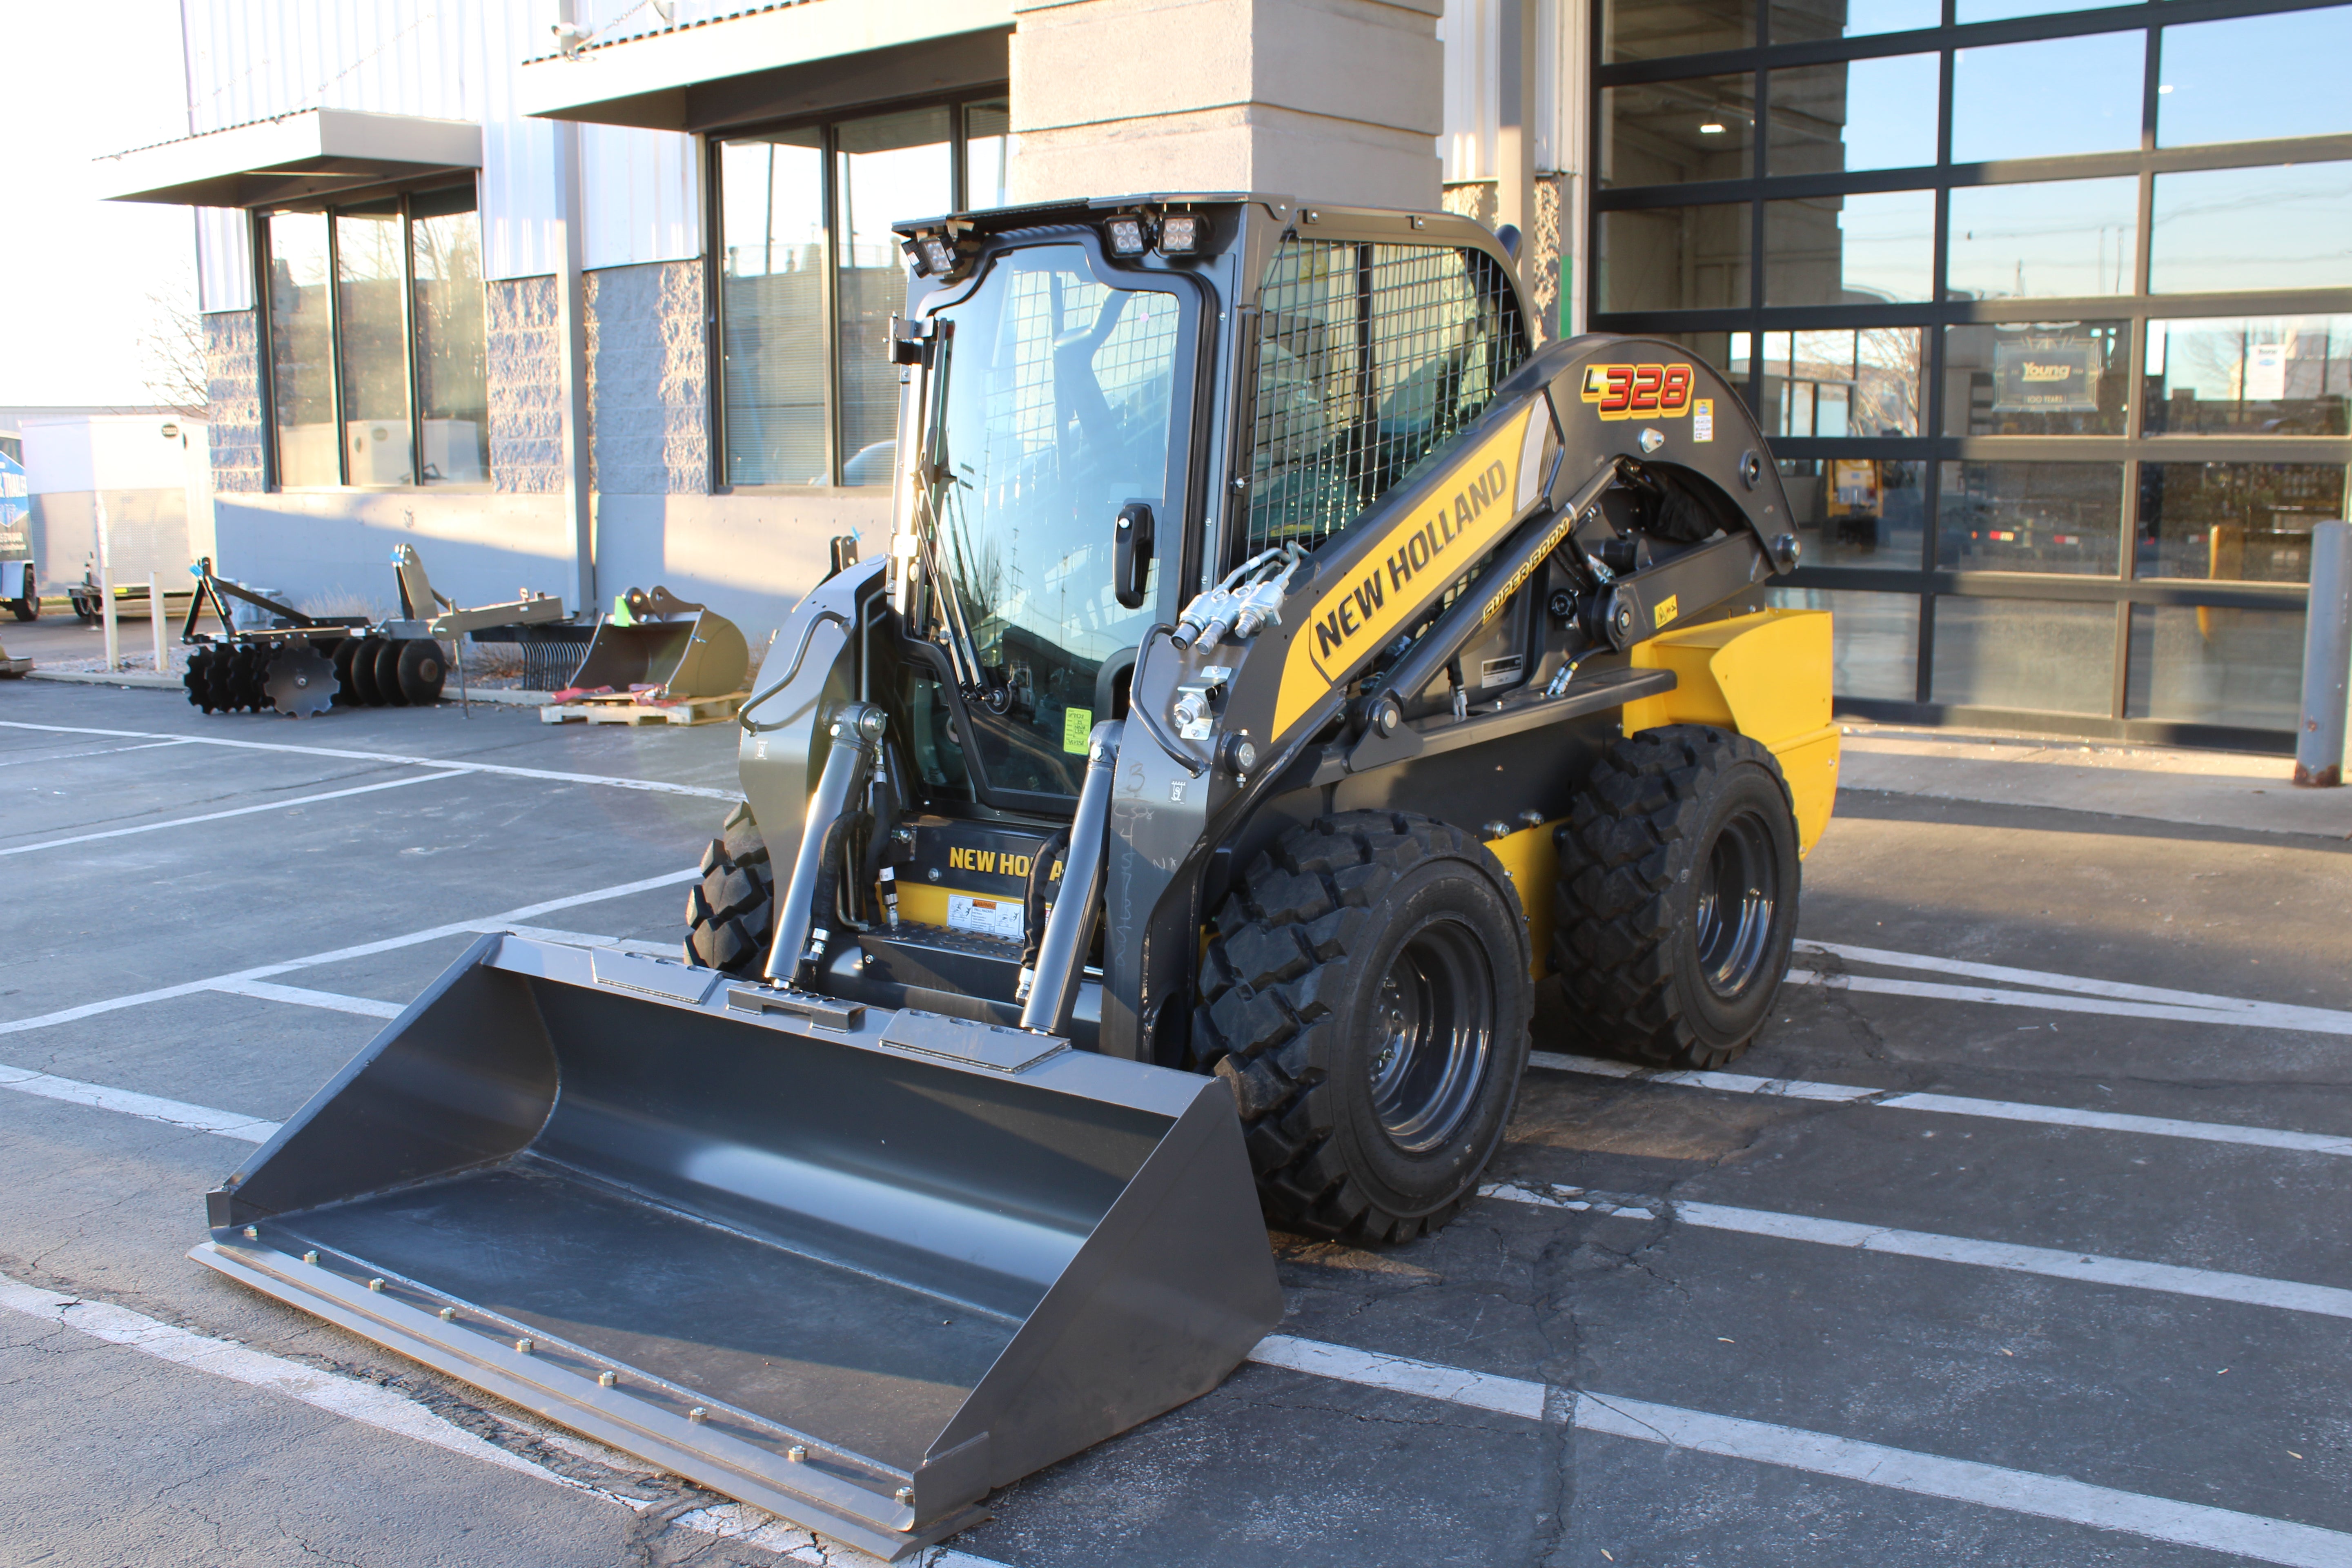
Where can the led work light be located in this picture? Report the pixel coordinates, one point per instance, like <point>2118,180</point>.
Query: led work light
<point>1127,236</point>
<point>1180,234</point>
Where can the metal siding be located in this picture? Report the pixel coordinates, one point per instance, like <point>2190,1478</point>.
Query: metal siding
<point>1471,32</point>
<point>224,259</point>
<point>641,196</point>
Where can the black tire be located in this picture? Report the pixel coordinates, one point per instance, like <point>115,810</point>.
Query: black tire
<point>1367,998</point>
<point>346,693</point>
<point>1676,903</point>
<point>732,912</point>
<point>361,672</point>
<point>420,672</point>
<point>385,675</point>
<point>197,678</point>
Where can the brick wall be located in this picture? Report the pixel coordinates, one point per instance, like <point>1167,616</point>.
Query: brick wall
<point>647,380</point>
<point>526,376</point>
<point>233,378</point>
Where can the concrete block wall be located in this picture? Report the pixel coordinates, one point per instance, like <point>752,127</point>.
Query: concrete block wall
<point>233,387</point>
<point>649,409</point>
<point>526,377</point>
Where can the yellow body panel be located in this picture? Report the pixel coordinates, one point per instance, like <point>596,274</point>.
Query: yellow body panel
<point>1532,862</point>
<point>1766,675</point>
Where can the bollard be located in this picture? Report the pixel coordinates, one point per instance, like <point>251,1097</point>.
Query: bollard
<point>106,594</point>
<point>2327,655</point>
<point>155,622</point>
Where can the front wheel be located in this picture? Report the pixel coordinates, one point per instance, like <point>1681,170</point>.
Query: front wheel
<point>1367,998</point>
<point>1676,905</point>
<point>730,914</point>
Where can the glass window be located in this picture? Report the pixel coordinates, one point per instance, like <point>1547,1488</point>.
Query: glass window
<point>2059,238</point>
<point>988,152</point>
<point>1329,438</point>
<point>2036,378</point>
<point>2215,665</point>
<point>772,281</point>
<point>1059,407</point>
<point>1855,114</point>
<point>1850,250</point>
<point>2226,229</point>
<point>1873,639</point>
<point>2045,98</point>
<point>2237,522</point>
<point>2033,654</point>
<point>2254,77</point>
<point>372,330</point>
<point>2002,10</point>
<point>453,397</point>
<point>1674,258</point>
<point>301,351</point>
<point>1857,511</point>
<point>2029,517</point>
<point>1806,21</point>
<point>1671,132</point>
<point>892,166</point>
<point>2284,376</point>
<point>1842,381</point>
<point>1726,353</point>
<point>1653,29</point>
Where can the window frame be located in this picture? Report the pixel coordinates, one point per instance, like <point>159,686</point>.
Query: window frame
<point>264,357</point>
<point>957,105</point>
<point>2124,582</point>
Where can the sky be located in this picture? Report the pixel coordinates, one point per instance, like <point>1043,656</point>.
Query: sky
<point>85,78</point>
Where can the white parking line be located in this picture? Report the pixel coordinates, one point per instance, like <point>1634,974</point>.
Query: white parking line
<point>2248,1535</point>
<point>2281,1015</point>
<point>147,1107</point>
<point>238,811</point>
<point>1951,1105</point>
<point>2312,1020</point>
<point>361,950</point>
<point>2090,1269</point>
<point>365,1007</point>
<point>101,751</point>
<point>372,1404</point>
<point>609,781</point>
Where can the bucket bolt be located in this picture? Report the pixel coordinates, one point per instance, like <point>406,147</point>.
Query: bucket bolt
<point>253,1233</point>
<point>797,1453</point>
<point>375,1284</point>
<point>698,1415</point>
<point>907,1495</point>
<point>448,1314</point>
<point>606,1379</point>
<point>312,1259</point>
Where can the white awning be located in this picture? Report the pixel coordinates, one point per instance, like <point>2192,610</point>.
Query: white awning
<point>320,151</point>
<point>643,80</point>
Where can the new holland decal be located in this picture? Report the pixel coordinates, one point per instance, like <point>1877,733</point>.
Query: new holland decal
<point>1638,391</point>
<point>1388,585</point>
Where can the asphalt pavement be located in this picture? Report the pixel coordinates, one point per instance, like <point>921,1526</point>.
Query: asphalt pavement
<point>2018,1238</point>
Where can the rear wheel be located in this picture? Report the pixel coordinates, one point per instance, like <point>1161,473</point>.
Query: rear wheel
<point>27,605</point>
<point>1677,896</point>
<point>731,911</point>
<point>1367,999</point>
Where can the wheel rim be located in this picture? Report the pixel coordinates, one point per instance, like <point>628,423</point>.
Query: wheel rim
<point>1434,1029</point>
<point>1733,920</point>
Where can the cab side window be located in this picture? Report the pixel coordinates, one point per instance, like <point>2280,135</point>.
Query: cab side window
<point>1370,357</point>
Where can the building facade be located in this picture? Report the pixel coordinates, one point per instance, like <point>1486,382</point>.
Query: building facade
<point>587,296</point>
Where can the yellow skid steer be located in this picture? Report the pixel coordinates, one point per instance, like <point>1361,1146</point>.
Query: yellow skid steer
<point>1278,669</point>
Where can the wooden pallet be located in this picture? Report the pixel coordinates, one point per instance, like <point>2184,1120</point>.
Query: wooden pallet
<point>622,709</point>
<point>14,667</point>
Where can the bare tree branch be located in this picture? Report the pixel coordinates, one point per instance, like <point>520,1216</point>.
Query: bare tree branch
<point>172,354</point>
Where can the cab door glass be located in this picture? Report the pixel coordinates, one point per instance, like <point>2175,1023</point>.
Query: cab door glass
<point>1059,409</point>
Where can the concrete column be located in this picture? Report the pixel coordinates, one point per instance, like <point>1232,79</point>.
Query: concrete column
<point>571,307</point>
<point>1327,101</point>
<point>1515,141</point>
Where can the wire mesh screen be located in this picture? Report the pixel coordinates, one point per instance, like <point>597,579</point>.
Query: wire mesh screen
<point>1370,357</point>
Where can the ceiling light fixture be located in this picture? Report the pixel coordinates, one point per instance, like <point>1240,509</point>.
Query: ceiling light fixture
<point>1710,129</point>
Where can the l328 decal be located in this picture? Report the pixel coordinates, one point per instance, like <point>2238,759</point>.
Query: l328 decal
<point>1638,391</point>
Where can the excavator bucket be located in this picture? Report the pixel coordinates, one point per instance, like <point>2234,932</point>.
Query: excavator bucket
<point>854,1266</point>
<point>659,641</point>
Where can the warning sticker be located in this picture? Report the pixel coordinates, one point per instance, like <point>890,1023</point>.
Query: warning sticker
<point>989,917</point>
<point>1703,419</point>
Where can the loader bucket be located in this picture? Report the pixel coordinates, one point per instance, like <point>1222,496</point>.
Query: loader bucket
<point>853,1266</point>
<point>697,653</point>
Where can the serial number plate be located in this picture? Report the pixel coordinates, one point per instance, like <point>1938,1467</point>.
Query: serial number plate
<point>989,917</point>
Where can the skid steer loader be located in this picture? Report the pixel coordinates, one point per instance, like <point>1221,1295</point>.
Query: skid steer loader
<point>1277,669</point>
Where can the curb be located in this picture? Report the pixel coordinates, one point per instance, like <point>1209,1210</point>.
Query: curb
<point>148,680</point>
